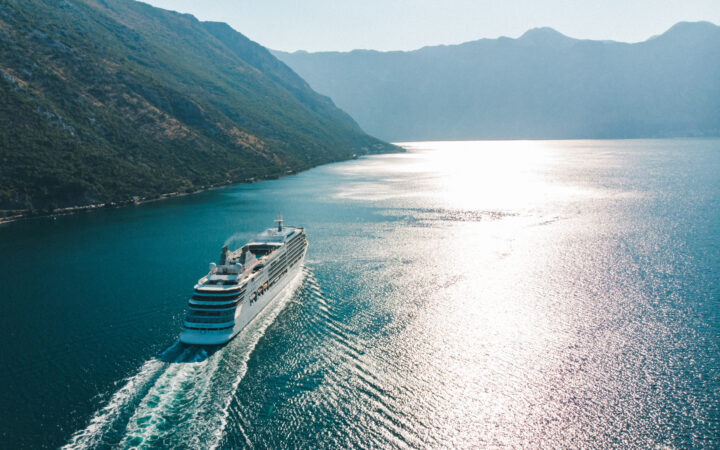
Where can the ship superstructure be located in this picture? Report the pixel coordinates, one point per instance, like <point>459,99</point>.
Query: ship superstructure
<point>242,284</point>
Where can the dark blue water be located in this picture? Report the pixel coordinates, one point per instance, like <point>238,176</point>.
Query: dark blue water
<point>554,294</point>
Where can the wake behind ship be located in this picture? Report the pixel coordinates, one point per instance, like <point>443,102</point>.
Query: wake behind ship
<point>244,282</point>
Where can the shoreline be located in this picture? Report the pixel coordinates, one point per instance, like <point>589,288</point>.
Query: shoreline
<point>138,200</point>
<point>95,206</point>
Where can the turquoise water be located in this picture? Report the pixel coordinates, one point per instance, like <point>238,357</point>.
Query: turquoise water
<point>555,294</point>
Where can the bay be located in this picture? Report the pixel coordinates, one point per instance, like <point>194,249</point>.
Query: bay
<point>490,293</point>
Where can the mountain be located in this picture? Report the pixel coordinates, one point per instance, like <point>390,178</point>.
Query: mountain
<point>105,100</point>
<point>540,85</point>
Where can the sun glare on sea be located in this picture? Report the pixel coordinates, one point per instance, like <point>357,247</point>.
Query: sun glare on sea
<point>499,292</point>
<point>464,175</point>
<point>491,175</point>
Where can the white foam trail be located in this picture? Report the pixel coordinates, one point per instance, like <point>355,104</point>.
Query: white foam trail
<point>165,400</point>
<point>248,342</point>
<point>185,402</point>
<point>103,420</point>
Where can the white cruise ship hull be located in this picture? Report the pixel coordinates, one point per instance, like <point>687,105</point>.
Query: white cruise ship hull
<point>243,284</point>
<point>244,314</point>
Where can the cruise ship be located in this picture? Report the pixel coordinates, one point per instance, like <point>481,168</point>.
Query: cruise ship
<point>242,284</point>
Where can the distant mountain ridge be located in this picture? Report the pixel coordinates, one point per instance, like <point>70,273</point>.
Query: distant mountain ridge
<point>107,100</point>
<point>542,85</point>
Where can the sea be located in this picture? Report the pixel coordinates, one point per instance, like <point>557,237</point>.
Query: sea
<point>546,294</point>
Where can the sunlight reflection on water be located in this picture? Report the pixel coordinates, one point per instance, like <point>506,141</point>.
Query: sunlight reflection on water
<point>482,175</point>
<point>530,308</point>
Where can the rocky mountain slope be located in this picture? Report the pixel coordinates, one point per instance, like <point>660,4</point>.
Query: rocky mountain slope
<point>106,100</point>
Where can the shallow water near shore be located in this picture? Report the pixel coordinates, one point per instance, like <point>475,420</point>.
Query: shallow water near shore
<point>492,293</point>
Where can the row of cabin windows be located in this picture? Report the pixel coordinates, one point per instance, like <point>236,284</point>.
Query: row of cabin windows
<point>283,270</point>
<point>209,329</point>
<point>221,282</point>
<point>292,250</point>
<point>274,279</point>
<point>225,292</point>
<point>204,312</point>
<point>209,319</point>
<point>224,306</point>
<point>299,237</point>
<point>208,296</point>
<point>279,267</point>
<point>295,255</point>
<point>295,258</point>
<point>296,246</point>
<point>265,287</point>
<point>227,302</point>
<point>261,290</point>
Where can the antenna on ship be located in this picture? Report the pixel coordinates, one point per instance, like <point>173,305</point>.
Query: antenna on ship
<point>279,222</point>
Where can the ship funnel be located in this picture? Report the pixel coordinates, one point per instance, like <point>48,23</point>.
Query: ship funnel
<point>224,255</point>
<point>279,222</point>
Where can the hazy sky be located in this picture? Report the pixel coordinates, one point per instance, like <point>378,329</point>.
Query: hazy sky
<point>409,24</point>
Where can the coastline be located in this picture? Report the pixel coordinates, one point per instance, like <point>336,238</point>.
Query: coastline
<point>138,200</point>
<point>95,206</point>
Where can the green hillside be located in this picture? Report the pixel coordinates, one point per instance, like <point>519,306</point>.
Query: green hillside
<point>104,100</point>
